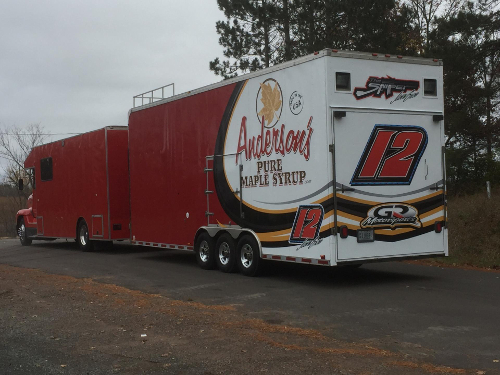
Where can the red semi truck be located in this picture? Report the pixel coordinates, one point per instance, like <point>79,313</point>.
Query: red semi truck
<point>332,159</point>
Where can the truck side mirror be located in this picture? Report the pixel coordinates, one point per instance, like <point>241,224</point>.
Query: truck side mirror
<point>21,184</point>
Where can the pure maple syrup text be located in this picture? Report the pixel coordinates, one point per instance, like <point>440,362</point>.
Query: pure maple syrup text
<point>271,171</point>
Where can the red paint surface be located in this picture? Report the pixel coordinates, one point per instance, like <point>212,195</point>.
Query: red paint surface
<point>79,185</point>
<point>376,153</point>
<point>119,205</point>
<point>168,144</point>
<point>399,164</point>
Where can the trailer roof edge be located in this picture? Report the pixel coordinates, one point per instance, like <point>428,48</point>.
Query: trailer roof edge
<point>298,61</point>
<point>108,127</point>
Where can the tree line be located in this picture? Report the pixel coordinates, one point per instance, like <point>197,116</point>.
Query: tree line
<point>465,34</point>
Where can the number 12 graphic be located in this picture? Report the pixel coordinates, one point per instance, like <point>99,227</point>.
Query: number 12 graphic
<point>307,223</point>
<point>391,155</point>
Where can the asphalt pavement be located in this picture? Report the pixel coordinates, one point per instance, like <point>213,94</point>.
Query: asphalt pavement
<point>445,316</point>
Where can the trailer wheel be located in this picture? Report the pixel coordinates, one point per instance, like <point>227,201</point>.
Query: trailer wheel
<point>25,241</point>
<point>83,237</point>
<point>204,248</point>
<point>248,256</point>
<point>225,253</point>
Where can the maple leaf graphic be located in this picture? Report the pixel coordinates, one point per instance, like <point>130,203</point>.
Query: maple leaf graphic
<point>271,98</point>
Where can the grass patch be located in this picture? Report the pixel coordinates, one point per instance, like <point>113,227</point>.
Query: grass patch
<point>474,230</point>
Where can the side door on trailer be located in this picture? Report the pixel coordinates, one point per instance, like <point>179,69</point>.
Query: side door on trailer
<point>389,190</point>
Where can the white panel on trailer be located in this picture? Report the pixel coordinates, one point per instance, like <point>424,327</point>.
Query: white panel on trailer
<point>389,178</point>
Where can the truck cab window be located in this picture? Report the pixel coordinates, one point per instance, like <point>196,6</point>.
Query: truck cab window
<point>31,173</point>
<point>46,169</point>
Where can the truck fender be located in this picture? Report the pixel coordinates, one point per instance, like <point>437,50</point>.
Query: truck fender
<point>29,218</point>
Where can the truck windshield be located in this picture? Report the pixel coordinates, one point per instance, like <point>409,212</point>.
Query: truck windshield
<point>31,177</point>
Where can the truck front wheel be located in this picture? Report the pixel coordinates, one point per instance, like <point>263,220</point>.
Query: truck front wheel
<point>204,248</point>
<point>83,237</point>
<point>25,241</point>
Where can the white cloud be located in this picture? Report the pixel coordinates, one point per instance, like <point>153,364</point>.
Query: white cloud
<point>74,66</point>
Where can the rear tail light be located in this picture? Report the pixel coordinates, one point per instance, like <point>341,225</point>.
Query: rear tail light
<point>344,232</point>
<point>438,226</point>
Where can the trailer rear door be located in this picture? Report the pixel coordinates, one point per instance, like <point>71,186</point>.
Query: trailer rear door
<point>389,183</point>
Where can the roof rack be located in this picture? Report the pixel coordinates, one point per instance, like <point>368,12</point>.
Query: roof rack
<point>153,95</point>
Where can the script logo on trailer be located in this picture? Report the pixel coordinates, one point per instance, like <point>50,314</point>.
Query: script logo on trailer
<point>391,155</point>
<point>378,86</point>
<point>391,215</point>
<point>307,224</point>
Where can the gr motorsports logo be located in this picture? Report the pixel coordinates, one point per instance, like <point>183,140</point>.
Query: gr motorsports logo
<point>391,215</point>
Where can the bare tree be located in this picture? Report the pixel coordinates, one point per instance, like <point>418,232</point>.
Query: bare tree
<point>425,13</point>
<point>15,145</point>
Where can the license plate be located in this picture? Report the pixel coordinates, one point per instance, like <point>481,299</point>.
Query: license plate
<point>365,235</point>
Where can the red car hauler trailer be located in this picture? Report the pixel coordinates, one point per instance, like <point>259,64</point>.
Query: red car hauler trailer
<point>332,159</point>
<point>80,190</point>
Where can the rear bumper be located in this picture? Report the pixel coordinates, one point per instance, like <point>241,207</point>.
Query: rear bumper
<point>391,259</point>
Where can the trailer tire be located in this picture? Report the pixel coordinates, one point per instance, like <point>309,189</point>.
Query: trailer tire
<point>248,256</point>
<point>225,253</point>
<point>25,241</point>
<point>205,251</point>
<point>82,237</point>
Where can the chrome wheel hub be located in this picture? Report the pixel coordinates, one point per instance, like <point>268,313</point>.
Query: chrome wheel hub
<point>204,251</point>
<point>224,253</point>
<point>83,235</point>
<point>246,256</point>
<point>22,232</point>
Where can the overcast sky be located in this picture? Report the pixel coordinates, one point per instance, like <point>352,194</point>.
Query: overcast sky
<point>74,66</point>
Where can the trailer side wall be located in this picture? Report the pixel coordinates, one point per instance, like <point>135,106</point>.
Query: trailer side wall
<point>168,145</point>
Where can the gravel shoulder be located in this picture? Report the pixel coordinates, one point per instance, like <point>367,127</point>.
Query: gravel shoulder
<point>56,324</point>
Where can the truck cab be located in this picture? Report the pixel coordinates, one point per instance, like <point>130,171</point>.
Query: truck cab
<point>26,224</point>
<point>80,189</point>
